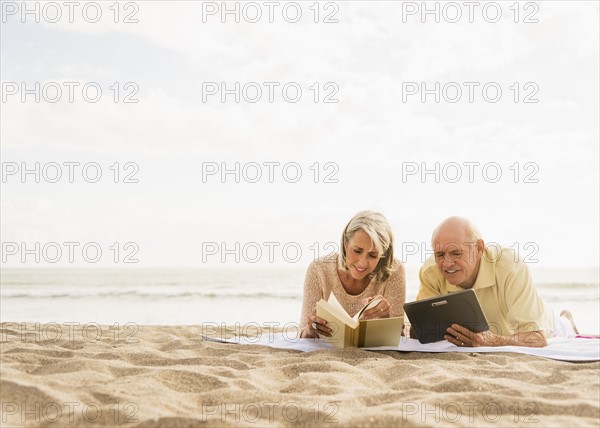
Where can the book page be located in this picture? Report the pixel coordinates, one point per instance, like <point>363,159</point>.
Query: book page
<point>336,308</point>
<point>335,303</point>
<point>341,335</point>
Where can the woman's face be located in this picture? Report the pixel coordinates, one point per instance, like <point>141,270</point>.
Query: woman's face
<point>361,256</point>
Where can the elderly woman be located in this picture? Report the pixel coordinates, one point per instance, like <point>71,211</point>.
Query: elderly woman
<point>364,269</point>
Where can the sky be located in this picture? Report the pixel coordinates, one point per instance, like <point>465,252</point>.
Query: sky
<point>166,134</point>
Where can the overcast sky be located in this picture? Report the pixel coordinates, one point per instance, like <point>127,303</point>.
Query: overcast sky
<point>514,135</point>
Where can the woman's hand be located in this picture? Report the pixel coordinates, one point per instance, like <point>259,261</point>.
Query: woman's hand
<point>382,310</point>
<point>316,327</point>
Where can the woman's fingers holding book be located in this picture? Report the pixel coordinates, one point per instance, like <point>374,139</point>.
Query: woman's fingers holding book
<point>319,326</point>
<point>367,300</point>
<point>382,310</point>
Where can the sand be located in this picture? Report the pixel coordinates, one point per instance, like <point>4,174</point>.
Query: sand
<point>170,376</point>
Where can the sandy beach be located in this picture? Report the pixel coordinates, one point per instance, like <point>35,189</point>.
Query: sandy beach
<point>58,375</point>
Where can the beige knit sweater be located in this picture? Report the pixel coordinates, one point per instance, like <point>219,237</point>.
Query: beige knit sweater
<point>322,279</point>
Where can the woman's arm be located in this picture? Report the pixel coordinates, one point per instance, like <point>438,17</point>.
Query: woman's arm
<point>395,290</point>
<point>313,292</point>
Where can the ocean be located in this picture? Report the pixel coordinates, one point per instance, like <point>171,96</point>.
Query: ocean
<point>221,296</point>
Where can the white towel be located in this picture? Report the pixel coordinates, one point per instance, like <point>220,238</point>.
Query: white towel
<point>558,348</point>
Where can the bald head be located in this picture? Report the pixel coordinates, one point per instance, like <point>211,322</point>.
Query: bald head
<point>457,226</point>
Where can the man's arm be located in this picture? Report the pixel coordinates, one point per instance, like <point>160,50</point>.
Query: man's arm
<point>429,284</point>
<point>428,288</point>
<point>527,311</point>
<point>462,336</point>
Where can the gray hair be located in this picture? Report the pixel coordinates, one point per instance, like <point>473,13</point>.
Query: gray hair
<point>376,226</point>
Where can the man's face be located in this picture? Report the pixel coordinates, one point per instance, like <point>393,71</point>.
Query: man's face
<point>456,257</point>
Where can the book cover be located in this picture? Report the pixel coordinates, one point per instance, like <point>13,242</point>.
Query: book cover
<point>350,331</point>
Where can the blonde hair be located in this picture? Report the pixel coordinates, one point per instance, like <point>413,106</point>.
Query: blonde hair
<point>376,226</point>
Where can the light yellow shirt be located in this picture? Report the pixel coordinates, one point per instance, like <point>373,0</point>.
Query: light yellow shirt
<point>505,291</point>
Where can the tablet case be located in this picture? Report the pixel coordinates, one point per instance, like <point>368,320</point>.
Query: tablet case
<point>430,318</point>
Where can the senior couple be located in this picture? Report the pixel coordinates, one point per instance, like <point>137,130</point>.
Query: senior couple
<point>366,269</point>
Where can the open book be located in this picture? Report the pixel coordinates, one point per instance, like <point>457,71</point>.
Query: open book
<point>349,331</point>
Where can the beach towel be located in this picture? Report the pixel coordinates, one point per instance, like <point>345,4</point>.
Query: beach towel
<point>577,349</point>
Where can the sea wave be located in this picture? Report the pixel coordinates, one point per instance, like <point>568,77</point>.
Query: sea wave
<point>569,285</point>
<point>145,294</point>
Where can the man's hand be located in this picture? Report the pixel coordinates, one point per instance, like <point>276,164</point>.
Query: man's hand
<point>462,336</point>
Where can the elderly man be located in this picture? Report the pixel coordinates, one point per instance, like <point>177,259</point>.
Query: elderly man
<point>516,314</point>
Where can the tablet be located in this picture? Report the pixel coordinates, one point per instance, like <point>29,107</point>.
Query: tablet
<point>430,318</point>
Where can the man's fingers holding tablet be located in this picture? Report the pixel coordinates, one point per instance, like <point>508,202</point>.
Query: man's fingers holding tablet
<point>458,335</point>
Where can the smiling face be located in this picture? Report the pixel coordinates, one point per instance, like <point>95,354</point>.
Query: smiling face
<point>361,255</point>
<point>456,255</point>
